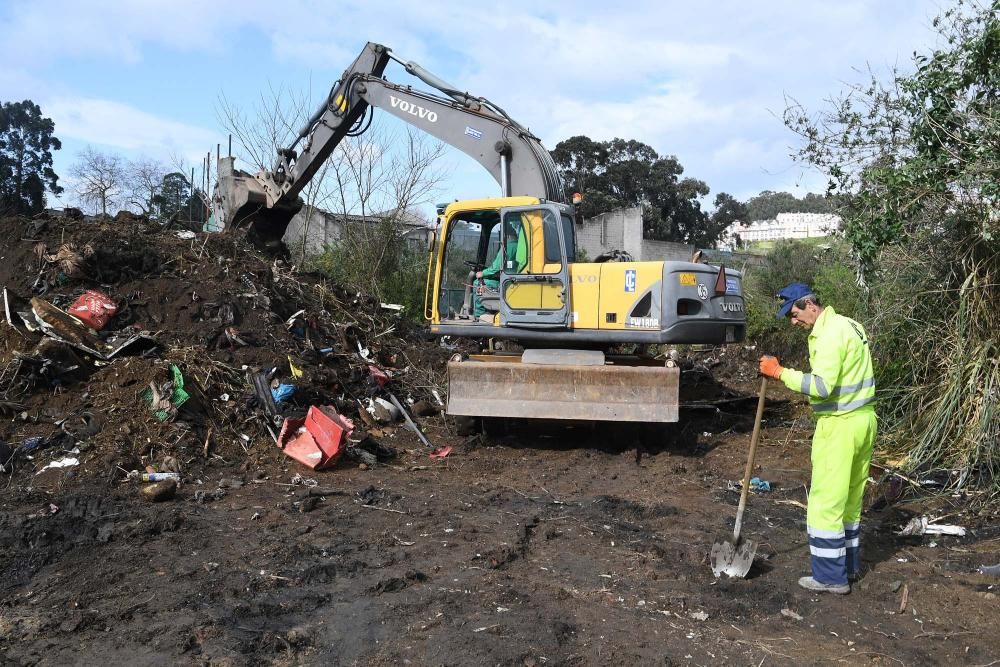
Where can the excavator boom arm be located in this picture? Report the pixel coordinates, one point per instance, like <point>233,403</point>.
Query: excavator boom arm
<point>515,157</point>
<point>473,125</point>
<point>328,126</point>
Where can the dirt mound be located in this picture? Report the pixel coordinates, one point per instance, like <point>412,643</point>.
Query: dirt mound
<point>209,306</point>
<point>568,544</point>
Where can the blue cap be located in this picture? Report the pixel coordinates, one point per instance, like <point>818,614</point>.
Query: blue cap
<point>790,295</point>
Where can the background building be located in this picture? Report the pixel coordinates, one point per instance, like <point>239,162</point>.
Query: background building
<point>318,229</point>
<point>784,226</point>
<point>621,229</point>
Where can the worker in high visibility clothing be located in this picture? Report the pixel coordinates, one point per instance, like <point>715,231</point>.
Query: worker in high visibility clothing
<point>841,391</point>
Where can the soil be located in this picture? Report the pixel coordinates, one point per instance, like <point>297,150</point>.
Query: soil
<point>578,544</point>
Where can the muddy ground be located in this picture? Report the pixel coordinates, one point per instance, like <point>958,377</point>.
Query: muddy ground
<point>547,545</point>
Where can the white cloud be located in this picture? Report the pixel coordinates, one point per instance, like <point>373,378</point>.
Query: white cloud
<point>740,153</point>
<point>673,109</point>
<point>701,81</point>
<point>48,32</point>
<point>120,126</point>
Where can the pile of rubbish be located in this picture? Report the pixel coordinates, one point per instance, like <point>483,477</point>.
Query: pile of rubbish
<point>129,349</point>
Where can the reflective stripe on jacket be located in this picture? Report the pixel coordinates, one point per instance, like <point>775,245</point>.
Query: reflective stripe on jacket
<point>841,378</point>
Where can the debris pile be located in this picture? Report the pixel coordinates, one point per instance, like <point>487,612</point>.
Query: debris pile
<point>124,345</point>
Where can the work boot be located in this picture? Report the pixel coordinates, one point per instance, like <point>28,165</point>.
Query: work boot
<point>811,584</point>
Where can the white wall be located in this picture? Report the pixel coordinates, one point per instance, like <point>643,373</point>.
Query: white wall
<point>621,229</point>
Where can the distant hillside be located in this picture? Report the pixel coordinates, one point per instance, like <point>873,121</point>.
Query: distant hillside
<point>767,205</point>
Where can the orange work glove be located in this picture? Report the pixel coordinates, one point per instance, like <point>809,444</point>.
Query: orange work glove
<point>770,367</point>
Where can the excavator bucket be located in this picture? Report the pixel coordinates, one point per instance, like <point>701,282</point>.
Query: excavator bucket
<point>609,392</point>
<point>241,203</point>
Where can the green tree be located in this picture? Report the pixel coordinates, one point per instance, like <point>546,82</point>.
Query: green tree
<point>172,197</point>
<point>917,159</point>
<point>580,159</point>
<point>728,210</point>
<point>26,145</point>
<point>767,205</point>
<point>623,173</point>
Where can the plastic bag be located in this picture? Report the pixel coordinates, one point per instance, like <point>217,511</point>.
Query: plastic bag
<point>94,309</point>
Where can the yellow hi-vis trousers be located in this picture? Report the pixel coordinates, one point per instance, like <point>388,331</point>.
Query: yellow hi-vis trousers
<point>841,452</point>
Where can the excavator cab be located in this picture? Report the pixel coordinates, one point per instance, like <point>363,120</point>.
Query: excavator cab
<point>536,294</point>
<point>519,247</point>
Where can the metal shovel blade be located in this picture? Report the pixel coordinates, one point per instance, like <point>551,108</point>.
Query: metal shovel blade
<point>733,560</point>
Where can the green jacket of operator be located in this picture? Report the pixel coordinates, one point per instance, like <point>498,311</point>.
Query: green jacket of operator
<point>515,253</point>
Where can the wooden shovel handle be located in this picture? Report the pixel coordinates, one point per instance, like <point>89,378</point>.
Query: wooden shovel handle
<point>750,458</point>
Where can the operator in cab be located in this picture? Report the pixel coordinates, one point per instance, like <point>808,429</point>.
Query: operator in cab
<point>514,258</point>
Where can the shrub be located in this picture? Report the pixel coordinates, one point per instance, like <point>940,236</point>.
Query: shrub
<point>381,263</point>
<point>825,266</point>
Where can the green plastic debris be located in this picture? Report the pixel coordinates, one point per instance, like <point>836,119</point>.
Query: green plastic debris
<point>178,396</point>
<point>211,225</point>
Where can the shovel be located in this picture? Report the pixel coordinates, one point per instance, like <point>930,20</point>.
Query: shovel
<point>735,558</point>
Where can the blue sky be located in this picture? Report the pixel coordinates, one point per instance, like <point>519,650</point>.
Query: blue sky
<point>703,81</point>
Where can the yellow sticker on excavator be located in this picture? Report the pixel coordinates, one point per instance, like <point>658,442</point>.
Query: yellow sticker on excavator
<point>688,279</point>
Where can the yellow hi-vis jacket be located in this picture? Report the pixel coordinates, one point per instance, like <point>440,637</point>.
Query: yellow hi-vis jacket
<point>841,378</point>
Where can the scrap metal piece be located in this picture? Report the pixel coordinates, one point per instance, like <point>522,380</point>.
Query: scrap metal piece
<point>61,326</point>
<point>409,422</point>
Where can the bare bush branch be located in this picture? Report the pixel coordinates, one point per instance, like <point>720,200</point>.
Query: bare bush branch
<point>100,178</point>
<point>143,180</point>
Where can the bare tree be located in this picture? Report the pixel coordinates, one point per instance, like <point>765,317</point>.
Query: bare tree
<point>143,180</point>
<point>382,177</point>
<point>100,178</point>
<point>269,125</point>
<point>379,176</point>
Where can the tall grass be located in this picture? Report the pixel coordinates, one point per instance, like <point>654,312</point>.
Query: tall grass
<point>942,413</point>
<point>932,312</point>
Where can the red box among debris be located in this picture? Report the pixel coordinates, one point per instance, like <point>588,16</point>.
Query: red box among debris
<point>317,440</point>
<point>378,375</point>
<point>94,309</point>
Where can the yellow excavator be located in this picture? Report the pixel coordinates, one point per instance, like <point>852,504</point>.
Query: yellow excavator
<point>504,268</point>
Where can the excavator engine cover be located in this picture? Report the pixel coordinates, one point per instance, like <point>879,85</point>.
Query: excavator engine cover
<point>506,387</point>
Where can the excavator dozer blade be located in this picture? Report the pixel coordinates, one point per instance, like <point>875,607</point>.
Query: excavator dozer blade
<point>600,393</point>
